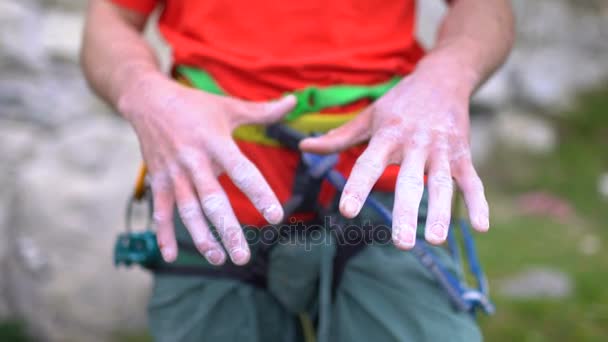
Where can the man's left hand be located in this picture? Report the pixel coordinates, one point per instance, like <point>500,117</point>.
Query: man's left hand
<point>423,125</point>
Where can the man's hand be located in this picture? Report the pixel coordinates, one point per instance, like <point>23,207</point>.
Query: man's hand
<point>184,134</point>
<point>421,124</point>
<point>185,137</point>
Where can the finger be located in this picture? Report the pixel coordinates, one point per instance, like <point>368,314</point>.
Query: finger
<point>217,207</point>
<point>247,112</point>
<point>190,212</point>
<point>408,193</point>
<point>440,187</point>
<point>163,216</point>
<point>472,189</point>
<point>366,171</point>
<point>250,181</point>
<point>347,135</point>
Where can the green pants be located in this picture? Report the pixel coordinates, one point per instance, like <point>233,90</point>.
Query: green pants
<point>384,295</point>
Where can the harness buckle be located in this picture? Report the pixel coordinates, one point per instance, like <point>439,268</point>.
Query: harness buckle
<point>477,299</point>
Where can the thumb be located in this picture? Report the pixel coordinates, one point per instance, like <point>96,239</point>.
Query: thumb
<point>248,112</point>
<point>341,138</point>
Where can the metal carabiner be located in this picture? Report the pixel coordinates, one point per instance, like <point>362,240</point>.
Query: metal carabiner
<point>146,197</point>
<point>137,247</point>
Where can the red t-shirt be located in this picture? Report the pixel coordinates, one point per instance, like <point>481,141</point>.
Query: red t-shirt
<point>260,49</point>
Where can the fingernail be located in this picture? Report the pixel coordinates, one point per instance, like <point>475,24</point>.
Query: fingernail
<point>405,237</point>
<point>169,254</point>
<point>239,256</point>
<point>214,257</point>
<point>273,214</point>
<point>482,223</point>
<point>438,233</point>
<point>350,206</point>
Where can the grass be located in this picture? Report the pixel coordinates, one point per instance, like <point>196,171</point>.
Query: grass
<point>132,336</point>
<point>517,242</point>
<point>12,331</point>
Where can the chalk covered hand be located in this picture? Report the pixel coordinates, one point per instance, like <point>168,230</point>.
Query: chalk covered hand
<point>423,125</point>
<point>186,141</point>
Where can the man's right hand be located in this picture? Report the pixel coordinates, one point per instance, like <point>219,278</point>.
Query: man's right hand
<point>186,141</point>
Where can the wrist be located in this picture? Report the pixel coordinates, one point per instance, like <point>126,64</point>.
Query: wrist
<point>450,66</point>
<point>136,87</point>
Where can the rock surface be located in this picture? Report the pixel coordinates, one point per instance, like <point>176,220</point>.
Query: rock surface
<point>18,24</point>
<point>67,164</point>
<point>62,34</point>
<point>526,131</point>
<point>536,283</point>
<point>69,198</point>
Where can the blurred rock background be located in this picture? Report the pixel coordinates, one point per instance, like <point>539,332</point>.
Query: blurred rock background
<point>67,165</point>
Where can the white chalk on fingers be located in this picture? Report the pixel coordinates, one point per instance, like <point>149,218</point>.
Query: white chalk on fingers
<point>273,214</point>
<point>169,253</point>
<point>214,204</point>
<point>239,255</point>
<point>215,257</point>
<point>350,205</point>
<point>404,236</point>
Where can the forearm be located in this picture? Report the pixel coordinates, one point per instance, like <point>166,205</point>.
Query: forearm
<point>475,38</point>
<point>114,55</point>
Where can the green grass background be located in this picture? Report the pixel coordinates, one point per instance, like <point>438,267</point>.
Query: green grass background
<point>516,242</point>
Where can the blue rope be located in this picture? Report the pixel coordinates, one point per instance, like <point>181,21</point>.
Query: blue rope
<point>474,266</point>
<point>453,246</point>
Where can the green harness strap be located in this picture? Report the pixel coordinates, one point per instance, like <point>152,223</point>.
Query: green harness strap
<point>310,99</point>
<point>200,79</point>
